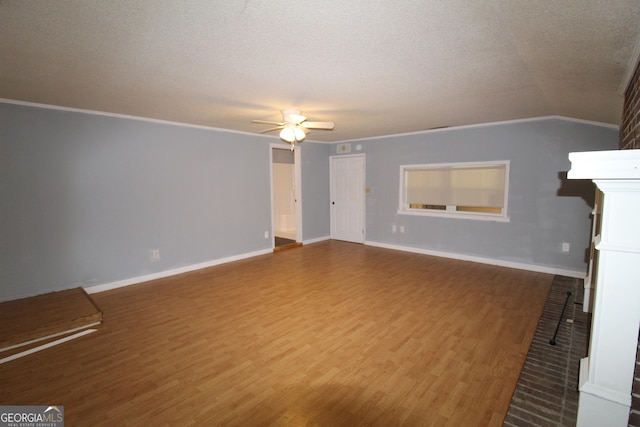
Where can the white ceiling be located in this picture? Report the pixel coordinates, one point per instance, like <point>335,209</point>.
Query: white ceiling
<point>374,67</point>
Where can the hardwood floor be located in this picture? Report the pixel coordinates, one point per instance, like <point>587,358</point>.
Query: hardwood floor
<point>330,334</point>
<point>36,318</point>
<point>282,244</point>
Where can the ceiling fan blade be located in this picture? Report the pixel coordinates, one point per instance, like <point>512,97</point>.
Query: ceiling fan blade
<point>317,125</point>
<point>272,129</point>
<point>267,122</point>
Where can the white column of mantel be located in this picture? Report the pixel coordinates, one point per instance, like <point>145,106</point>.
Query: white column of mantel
<point>606,375</point>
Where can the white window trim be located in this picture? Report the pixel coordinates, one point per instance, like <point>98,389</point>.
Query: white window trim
<point>479,216</point>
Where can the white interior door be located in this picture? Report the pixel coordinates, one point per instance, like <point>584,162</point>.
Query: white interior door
<point>347,198</point>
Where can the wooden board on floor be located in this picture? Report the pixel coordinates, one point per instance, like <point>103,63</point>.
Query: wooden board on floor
<point>35,318</point>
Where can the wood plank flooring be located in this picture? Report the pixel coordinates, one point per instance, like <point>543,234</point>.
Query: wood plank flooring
<point>329,334</point>
<point>41,316</point>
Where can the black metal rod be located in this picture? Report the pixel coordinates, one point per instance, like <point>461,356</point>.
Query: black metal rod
<point>552,341</point>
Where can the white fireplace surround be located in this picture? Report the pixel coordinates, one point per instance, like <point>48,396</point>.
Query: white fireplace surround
<point>606,374</point>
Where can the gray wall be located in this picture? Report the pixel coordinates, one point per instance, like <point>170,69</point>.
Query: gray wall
<point>84,197</point>
<point>315,191</point>
<point>545,209</point>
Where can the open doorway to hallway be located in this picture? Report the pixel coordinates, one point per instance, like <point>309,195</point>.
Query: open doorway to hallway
<point>285,197</point>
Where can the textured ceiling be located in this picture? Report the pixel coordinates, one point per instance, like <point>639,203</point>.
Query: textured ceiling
<point>374,67</point>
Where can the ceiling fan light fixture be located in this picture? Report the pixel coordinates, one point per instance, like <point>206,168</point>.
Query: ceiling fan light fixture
<point>299,133</point>
<point>292,134</point>
<point>287,134</point>
<point>294,127</point>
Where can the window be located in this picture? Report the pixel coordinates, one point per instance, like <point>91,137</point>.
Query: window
<point>462,190</point>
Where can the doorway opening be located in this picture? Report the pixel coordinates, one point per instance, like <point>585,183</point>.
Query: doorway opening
<point>285,212</point>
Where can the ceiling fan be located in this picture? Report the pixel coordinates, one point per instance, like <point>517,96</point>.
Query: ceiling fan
<point>294,126</point>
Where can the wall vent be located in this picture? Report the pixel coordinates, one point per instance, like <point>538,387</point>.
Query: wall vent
<point>343,148</point>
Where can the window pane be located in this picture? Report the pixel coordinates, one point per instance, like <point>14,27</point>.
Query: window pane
<point>436,207</point>
<point>428,187</point>
<point>479,188</point>
<point>478,209</point>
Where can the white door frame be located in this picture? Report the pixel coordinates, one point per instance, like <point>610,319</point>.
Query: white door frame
<point>297,193</point>
<point>331,195</point>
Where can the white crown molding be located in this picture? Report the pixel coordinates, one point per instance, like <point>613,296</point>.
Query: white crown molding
<point>140,119</point>
<point>271,137</point>
<point>128,117</point>
<point>481,125</point>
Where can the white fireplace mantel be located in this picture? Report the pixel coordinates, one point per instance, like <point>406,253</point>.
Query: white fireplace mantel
<point>606,374</point>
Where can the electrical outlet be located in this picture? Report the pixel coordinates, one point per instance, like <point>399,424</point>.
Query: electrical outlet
<point>266,234</point>
<point>566,247</point>
<point>393,228</point>
<point>155,255</point>
<point>402,228</point>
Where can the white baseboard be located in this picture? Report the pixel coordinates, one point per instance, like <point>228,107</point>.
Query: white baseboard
<point>159,275</point>
<point>491,261</point>
<point>316,240</point>
<point>172,272</point>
